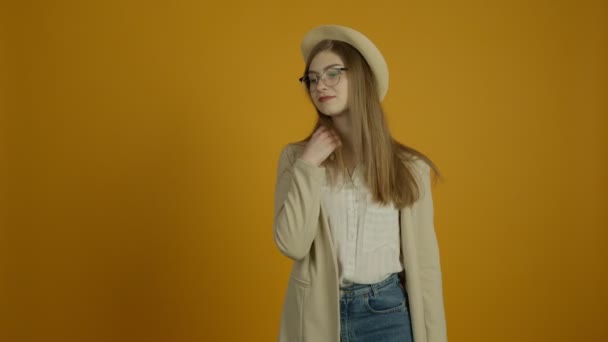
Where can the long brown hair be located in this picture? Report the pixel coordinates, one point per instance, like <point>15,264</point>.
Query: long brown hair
<point>387,165</point>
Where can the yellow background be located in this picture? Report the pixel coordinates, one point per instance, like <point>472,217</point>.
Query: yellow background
<point>140,142</point>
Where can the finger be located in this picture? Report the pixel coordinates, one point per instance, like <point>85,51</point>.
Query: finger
<point>331,142</point>
<point>337,135</point>
<point>318,131</point>
<point>334,133</point>
<point>326,136</point>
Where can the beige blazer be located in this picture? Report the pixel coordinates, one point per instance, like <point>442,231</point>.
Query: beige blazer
<point>311,311</point>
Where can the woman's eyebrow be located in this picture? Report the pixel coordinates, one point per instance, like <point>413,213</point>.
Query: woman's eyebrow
<point>327,67</point>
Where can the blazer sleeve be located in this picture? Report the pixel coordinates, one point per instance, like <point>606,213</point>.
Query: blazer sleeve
<point>430,266</point>
<point>297,204</point>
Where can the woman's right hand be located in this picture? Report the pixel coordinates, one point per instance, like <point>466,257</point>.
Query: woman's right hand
<point>322,143</point>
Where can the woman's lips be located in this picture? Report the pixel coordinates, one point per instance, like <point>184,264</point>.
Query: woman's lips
<point>325,98</point>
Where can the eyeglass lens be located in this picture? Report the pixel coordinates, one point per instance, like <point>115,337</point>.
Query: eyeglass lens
<point>330,78</point>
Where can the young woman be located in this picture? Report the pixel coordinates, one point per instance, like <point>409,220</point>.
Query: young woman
<point>354,210</point>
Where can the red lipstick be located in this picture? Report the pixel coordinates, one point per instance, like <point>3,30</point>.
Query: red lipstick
<point>325,98</point>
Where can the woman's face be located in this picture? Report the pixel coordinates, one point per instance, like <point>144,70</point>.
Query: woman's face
<point>330,99</point>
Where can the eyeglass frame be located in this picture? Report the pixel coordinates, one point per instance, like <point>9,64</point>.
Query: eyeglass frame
<point>321,76</point>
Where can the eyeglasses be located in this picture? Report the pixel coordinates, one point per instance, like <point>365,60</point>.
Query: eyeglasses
<point>330,78</point>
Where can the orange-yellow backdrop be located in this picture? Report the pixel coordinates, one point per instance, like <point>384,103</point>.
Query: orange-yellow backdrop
<point>140,142</point>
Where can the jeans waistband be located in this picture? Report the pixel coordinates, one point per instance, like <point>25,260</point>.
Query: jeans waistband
<point>359,289</point>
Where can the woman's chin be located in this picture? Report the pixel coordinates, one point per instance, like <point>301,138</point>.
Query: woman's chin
<point>332,113</point>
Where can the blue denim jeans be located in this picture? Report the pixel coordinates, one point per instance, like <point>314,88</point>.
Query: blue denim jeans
<point>375,312</point>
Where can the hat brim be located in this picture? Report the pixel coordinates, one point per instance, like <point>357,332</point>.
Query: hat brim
<point>364,45</point>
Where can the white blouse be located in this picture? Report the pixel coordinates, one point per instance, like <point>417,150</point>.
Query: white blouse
<point>365,235</point>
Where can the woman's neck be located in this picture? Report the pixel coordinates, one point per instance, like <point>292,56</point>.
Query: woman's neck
<point>343,125</point>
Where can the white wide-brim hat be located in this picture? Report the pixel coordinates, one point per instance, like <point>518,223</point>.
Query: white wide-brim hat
<point>368,50</point>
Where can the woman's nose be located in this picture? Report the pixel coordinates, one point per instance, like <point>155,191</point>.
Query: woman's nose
<point>321,85</point>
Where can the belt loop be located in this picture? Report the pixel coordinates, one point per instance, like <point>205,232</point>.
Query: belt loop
<point>374,291</point>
